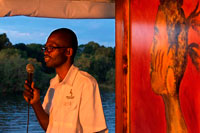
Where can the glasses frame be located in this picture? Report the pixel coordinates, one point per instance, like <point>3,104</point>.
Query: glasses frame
<point>50,48</point>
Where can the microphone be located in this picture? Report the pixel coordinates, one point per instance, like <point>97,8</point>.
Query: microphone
<point>30,70</point>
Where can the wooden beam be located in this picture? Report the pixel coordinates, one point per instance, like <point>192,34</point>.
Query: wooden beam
<point>122,66</point>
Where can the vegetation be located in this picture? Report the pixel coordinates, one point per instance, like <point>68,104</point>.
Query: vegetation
<point>97,60</point>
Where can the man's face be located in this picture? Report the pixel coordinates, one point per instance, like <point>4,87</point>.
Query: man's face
<point>56,57</point>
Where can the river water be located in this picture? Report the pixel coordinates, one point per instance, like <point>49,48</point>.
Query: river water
<point>13,113</point>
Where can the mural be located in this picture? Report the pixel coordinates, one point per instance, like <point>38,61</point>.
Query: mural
<point>165,66</point>
<point>169,57</point>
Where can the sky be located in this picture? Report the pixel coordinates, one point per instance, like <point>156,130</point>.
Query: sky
<point>22,29</point>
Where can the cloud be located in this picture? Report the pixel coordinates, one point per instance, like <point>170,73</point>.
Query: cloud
<point>36,30</point>
<point>19,34</point>
<point>15,33</point>
<point>16,36</point>
<point>24,37</point>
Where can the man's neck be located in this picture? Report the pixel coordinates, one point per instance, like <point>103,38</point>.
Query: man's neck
<point>63,70</point>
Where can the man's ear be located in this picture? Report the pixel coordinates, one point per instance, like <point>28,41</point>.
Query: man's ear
<point>69,52</point>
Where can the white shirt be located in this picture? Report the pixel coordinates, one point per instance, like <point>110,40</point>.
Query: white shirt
<point>74,105</point>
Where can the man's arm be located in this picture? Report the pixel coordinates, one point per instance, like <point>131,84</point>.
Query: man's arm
<point>32,96</point>
<point>42,116</point>
<point>91,113</point>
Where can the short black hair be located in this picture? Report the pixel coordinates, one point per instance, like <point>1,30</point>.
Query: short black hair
<point>69,36</point>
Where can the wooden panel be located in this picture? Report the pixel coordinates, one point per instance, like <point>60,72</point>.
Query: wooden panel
<point>122,69</point>
<point>147,108</point>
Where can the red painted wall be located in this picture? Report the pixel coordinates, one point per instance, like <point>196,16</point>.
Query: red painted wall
<point>147,108</point>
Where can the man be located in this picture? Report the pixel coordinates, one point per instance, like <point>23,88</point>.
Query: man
<point>72,103</point>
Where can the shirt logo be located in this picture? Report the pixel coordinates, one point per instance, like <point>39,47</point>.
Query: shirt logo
<point>71,95</point>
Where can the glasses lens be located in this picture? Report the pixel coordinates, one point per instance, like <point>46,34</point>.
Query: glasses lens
<point>43,49</point>
<point>48,49</point>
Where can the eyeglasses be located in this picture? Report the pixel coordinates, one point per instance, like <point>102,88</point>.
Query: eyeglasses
<point>50,48</point>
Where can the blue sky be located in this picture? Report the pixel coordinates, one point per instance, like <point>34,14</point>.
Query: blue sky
<point>21,29</point>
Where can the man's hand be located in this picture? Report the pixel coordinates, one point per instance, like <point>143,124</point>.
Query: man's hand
<point>31,94</point>
<point>163,60</point>
<point>162,74</point>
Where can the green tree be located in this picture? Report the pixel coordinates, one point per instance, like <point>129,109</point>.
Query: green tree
<point>4,41</point>
<point>12,70</point>
<point>33,50</point>
<point>91,57</point>
<point>90,47</point>
<point>102,63</point>
<point>99,61</point>
<point>22,48</point>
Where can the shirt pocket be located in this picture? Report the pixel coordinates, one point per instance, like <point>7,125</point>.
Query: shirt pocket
<point>69,112</point>
<point>69,104</point>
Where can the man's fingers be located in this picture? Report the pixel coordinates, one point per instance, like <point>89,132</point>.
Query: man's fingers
<point>26,99</point>
<point>27,86</point>
<point>28,94</point>
<point>33,86</point>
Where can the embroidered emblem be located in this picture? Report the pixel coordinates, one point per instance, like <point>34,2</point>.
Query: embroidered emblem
<point>71,95</point>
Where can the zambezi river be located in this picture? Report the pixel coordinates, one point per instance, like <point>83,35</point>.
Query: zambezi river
<point>13,113</point>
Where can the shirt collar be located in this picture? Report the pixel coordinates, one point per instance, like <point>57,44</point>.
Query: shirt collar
<point>70,77</point>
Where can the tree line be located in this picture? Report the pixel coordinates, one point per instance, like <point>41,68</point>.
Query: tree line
<point>97,60</point>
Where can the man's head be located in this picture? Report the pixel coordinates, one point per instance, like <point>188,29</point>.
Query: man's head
<point>61,47</point>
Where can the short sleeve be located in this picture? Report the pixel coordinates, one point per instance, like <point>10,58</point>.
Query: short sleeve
<point>91,113</point>
<point>48,100</point>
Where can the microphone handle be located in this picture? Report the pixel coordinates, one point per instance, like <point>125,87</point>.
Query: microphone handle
<point>30,78</point>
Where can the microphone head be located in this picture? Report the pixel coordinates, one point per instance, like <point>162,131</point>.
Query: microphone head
<point>30,68</point>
